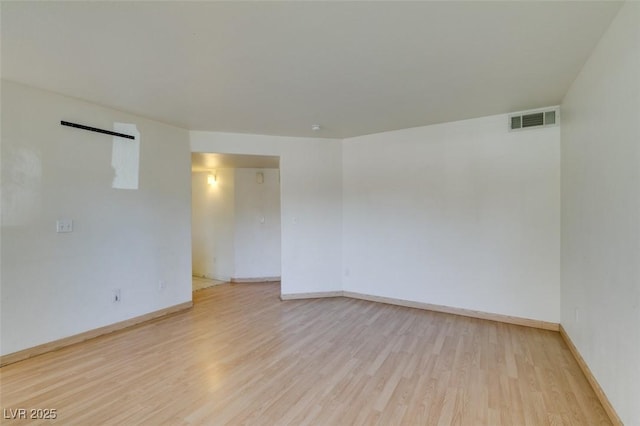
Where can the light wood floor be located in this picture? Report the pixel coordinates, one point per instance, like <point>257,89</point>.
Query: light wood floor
<point>242,356</point>
<point>199,283</point>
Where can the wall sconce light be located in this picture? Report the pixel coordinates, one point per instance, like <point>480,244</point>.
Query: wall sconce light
<point>212,179</point>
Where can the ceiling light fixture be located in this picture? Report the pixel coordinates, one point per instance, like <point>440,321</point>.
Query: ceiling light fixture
<point>315,127</point>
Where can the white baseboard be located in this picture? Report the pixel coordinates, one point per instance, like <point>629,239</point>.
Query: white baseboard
<point>254,279</point>
<point>602,397</point>
<point>429,307</point>
<point>318,295</point>
<point>77,338</point>
<point>457,311</point>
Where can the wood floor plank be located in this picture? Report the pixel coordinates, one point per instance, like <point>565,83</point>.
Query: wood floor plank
<point>243,356</point>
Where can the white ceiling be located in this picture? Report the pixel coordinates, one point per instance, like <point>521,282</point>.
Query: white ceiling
<point>279,67</point>
<point>206,162</point>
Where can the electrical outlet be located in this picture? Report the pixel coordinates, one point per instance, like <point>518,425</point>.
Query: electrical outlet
<point>116,296</point>
<point>577,315</point>
<point>64,225</point>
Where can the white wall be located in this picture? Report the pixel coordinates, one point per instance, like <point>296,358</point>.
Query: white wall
<point>57,285</point>
<point>601,213</point>
<point>310,203</point>
<point>213,225</point>
<point>257,224</point>
<point>463,214</point>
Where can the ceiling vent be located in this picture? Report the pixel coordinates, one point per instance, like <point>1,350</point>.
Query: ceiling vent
<point>533,119</point>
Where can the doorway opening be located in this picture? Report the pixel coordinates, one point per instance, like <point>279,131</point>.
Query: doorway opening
<point>235,219</point>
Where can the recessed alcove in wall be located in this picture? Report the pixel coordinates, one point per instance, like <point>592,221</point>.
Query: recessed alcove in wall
<point>235,217</point>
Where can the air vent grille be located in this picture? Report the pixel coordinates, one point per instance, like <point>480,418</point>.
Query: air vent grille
<point>533,119</point>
